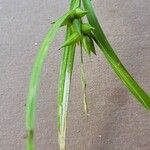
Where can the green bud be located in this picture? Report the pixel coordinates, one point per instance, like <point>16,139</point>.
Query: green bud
<point>79,13</point>
<point>69,19</point>
<point>73,38</point>
<point>86,28</point>
<point>88,45</point>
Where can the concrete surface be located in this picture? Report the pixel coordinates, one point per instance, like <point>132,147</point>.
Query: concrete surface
<point>117,121</point>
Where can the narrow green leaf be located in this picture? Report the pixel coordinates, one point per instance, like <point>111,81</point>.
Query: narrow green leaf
<point>64,90</point>
<point>65,81</point>
<point>112,58</point>
<point>34,81</point>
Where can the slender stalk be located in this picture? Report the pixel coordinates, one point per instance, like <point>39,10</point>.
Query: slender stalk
<point>84,84</point>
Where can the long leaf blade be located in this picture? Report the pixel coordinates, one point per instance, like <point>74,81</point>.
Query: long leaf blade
<point>114,61</point>
<point>65,83</point>
<point>64,92</point>
<point>35,79</point>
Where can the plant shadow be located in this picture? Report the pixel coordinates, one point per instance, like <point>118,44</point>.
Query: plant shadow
<point>113,118</point>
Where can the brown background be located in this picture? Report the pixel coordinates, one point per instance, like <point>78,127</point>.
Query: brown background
<point>117,121</point>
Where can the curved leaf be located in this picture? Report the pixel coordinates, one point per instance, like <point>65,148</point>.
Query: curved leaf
<point>35,78</point>
<point>112,58</point>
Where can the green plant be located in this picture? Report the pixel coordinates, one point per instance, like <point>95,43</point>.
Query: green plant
<point>84,35</point>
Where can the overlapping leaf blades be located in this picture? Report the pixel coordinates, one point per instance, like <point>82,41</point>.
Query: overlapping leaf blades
<point>67,67</point>
<point>34,81</point>
<point>64,90</point>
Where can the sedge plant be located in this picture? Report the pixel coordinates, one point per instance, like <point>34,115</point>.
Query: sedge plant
<point>84,34</point>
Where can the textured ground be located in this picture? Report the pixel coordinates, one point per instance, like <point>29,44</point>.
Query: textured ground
<point>117,121</point>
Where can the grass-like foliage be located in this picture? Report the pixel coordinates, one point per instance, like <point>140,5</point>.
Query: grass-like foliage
<point>84,34</point>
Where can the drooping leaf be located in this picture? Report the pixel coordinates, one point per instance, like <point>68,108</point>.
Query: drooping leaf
<point>112,58</point>
<point>35,78</point>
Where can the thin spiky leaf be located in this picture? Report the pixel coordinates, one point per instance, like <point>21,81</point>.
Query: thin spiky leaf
<point>64,83</point>
<point>64,90</point>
